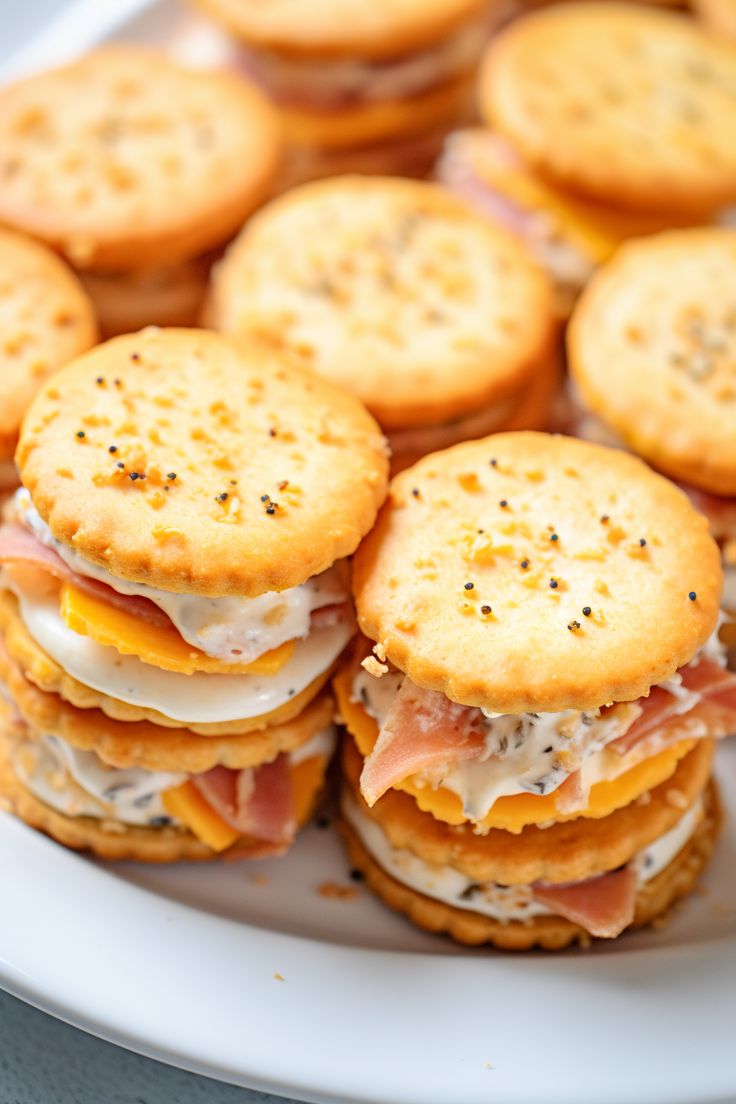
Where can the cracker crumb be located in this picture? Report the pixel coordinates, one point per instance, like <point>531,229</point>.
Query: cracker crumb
<point>337,892</point>
<point>676,798</point>
<point>278,977</point>
<point>379,650</point>
<point>373,667</point>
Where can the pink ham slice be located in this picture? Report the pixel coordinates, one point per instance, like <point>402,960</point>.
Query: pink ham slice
<point>604,906</point>
<point>423,729</point>
<point>659,716</point>
<point>19,546</point>
<point>257,801</point>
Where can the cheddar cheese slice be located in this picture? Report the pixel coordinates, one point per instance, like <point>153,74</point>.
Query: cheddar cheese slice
<point>161,646</point>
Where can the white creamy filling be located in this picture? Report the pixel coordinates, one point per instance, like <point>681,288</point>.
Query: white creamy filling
<point>78,783</point>
<point>503,903</point>
<point>325,83</point>
<point>235,630</point>
<point>535,752</point>
<point>199,698</point>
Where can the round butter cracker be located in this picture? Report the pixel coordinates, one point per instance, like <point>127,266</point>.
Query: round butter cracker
<point>478,575</point>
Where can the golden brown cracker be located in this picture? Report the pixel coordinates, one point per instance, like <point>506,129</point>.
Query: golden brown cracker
<point>539,528</point>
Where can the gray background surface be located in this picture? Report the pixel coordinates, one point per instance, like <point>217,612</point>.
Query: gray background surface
<point>43,1061</point>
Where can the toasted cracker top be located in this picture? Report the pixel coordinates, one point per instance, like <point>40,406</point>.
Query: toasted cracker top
<point>653,351</point>
<point>45,320</point>
<point>176,458</point>
<point>394,289</point>
<point>626,104</point>
<point>124,159</point>
<point>528,572</point>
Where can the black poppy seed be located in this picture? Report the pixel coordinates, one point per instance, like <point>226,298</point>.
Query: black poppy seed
<point>503,503</point>
<point>524,565</point>
<point>272,433</point>
<point>553,584</point>
<point>141,475</point>
<point>574,626</point>
<point>134,476</point>
<point>486,609</point>
<point>120,464</point>
<point>223,497</point>
<point>642,542</point>
<point>548,749</point>
<point>271,508</point>
<point>554,537</point>
<point>171,476</point>
<point>113,448</point>
<point>100,380</point>
<point>493,462</point>
<point>134,357</point>
<point>692,596</point>
<point>265,498</point>
<point>469,586</point>
<point>81,433</point>
<point>587,611</point>
<point>415,492</point>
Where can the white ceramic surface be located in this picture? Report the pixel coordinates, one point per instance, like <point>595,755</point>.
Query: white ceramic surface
<point>182,963</point>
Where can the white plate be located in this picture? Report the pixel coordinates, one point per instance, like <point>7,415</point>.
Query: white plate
<point>182,963</point>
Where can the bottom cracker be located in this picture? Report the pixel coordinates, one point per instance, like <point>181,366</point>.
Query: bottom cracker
<point>552,933</point>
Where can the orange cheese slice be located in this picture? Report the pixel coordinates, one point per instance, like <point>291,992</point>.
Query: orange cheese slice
<point>595,230</point>
<point>187,804</point>
<point>515,812</point>
<point>161,646</point>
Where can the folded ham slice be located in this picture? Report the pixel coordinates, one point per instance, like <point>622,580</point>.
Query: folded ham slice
<point>258,801</point>
<point>19,546</point>
<point>604,905</point>
<point>423,729</point>
<point>661,724</point>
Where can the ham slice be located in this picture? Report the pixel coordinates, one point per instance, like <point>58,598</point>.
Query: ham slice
<point>660,717</point>
<point>571,796</point>
<point>257,802</point>
<point>423,729</point>
<point>19,546</point>
<point>604,905</point>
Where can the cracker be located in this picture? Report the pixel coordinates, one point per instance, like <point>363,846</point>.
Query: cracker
<point>625,104</point>
<point>353,29</point>
<point>552,933</point>
<point>543,527</point>
<point>150,746</point>
<point>401,294</point>
<point>251,474</point>
<point>652,347</point>
<point>46,320</point>
<point>124,159</point>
